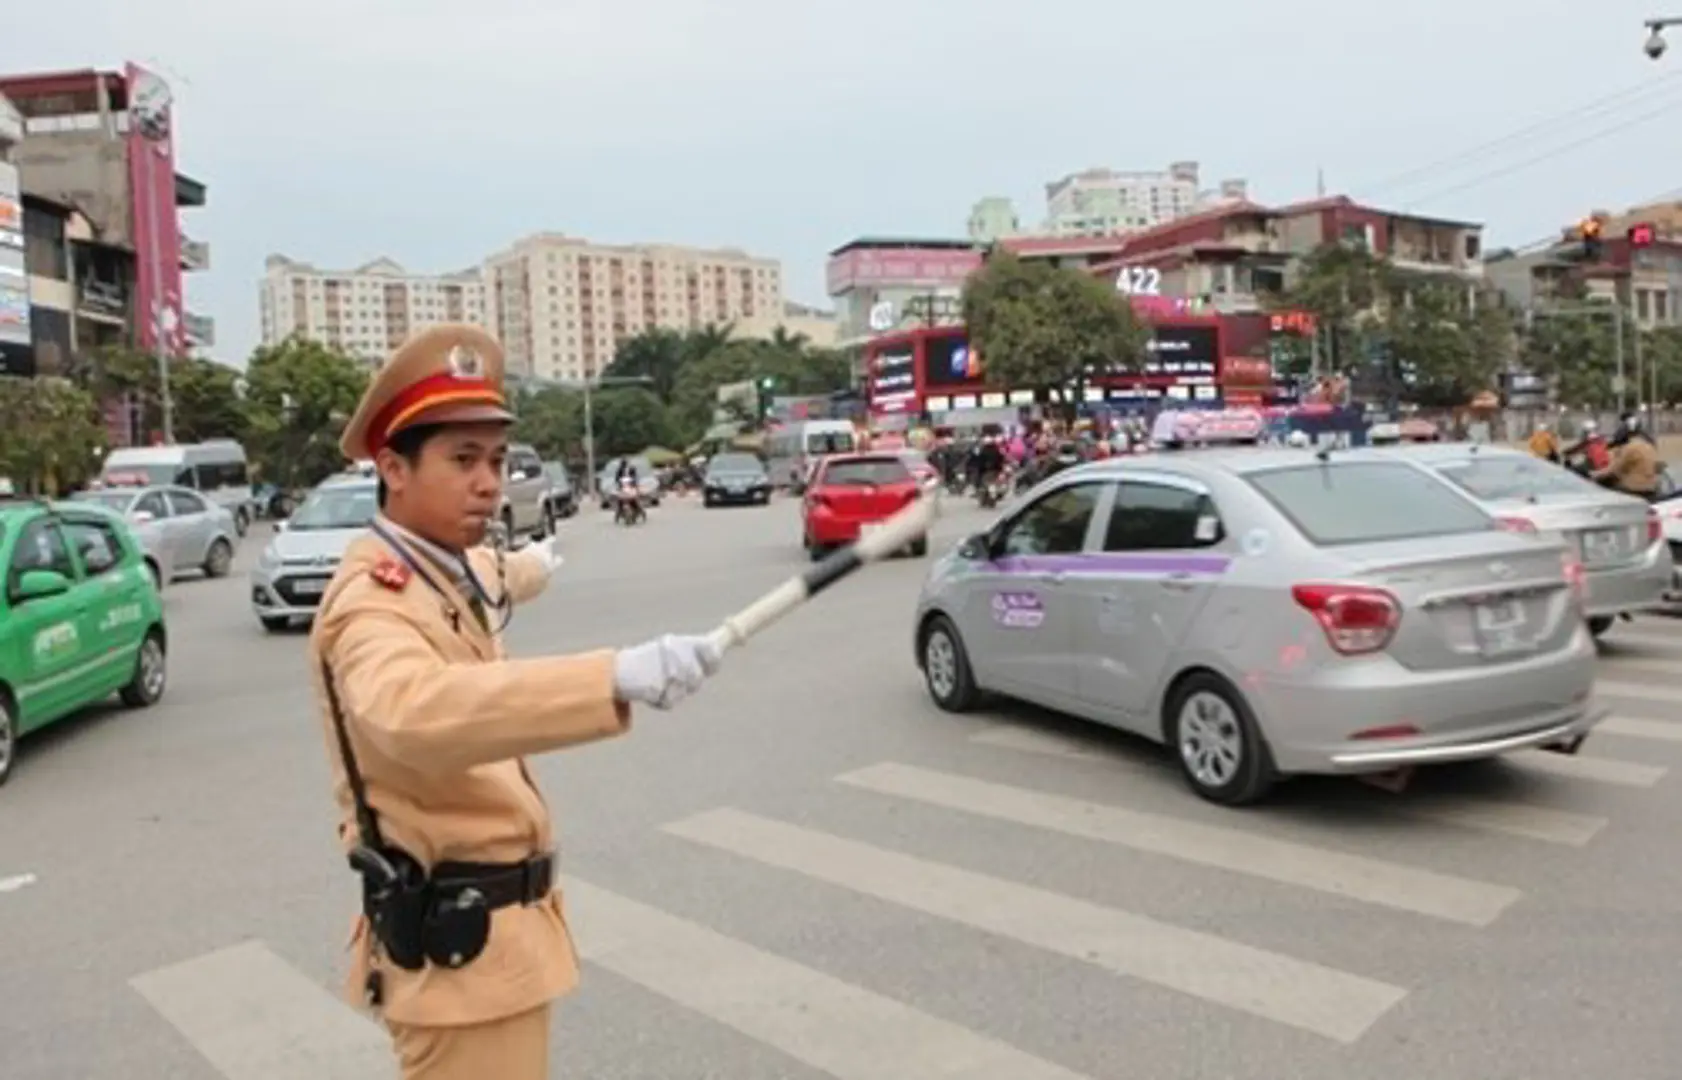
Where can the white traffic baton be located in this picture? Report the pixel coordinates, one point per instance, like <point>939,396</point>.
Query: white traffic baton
<point>909,524</point>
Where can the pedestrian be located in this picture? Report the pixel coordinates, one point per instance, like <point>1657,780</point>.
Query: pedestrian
<point>462,944</point>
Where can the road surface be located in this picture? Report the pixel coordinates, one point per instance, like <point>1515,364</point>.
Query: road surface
<point>808,871</point>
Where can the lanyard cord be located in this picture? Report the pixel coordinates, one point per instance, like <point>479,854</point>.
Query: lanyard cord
<point>503,608</point>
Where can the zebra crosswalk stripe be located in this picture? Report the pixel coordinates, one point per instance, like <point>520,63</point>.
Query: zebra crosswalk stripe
<point>846,1031</point>
<point>1336,1005</point>
<point>1481,814</point>
<point>254,1016</point>
<point>1354,877</point>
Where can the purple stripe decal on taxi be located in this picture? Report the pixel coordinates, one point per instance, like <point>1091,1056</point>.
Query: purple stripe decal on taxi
<point>1115,563</point>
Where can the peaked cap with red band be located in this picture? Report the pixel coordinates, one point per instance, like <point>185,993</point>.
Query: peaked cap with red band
<point>446,374</point>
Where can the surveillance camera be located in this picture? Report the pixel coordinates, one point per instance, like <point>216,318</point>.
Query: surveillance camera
<point>1655,44</point>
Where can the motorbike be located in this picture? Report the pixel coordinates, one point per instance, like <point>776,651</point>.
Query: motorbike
<point>627,505</point>
<point>994,488</point>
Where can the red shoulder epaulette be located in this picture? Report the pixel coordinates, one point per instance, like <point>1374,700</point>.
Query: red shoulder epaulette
<point>394,574</point>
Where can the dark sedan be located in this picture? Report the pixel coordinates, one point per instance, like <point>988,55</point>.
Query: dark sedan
<point>735,478</point>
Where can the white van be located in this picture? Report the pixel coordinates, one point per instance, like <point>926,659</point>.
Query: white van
<point>216,469</point>
<point>791,451</point>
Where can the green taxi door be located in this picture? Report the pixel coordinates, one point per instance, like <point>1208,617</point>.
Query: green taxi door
<point>43,626</point>
<point>115,593</point>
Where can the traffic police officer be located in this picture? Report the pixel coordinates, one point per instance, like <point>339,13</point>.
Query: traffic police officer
<point>463,942</point>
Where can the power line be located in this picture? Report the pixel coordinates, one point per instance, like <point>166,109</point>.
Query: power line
<point>1558,151</point>
<point>1609,102</point>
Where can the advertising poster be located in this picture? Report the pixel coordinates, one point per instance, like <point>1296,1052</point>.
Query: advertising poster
<point>156,228</point>
<point>17,355</point>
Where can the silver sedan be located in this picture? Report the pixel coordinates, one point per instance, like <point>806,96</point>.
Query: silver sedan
<point>180,529</point>
<point>1619,537</point>
<point>1268,612</point>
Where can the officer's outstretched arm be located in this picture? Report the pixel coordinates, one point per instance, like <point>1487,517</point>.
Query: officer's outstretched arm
<point>528,574</point>
<point>445,717</point>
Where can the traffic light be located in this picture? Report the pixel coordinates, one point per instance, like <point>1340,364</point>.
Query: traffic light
<point>1641,234</point>
<point>767,384</point>
<point>1590,230</point>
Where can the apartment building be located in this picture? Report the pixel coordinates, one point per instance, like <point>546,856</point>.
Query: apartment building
<point>561,304</point>
<point>366,312</point>
<point>1105,202</point>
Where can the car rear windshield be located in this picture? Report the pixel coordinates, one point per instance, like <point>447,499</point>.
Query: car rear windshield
<point>1513,477</point>
<point>1367,502</point>
<point>861,471</point>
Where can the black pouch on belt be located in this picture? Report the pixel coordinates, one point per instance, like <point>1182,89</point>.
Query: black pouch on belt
<point>458,920</point>
<point>395,898</point>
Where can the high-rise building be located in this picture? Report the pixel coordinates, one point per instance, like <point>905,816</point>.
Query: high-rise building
<point>366,312</point>
<point>1103,202</point>
<point>993,218</point>
<point>561,305</point>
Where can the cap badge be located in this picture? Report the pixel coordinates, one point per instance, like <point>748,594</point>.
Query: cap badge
<point>466,364</point>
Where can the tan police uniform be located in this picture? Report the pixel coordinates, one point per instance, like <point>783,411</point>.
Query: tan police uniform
<point>438,720</point>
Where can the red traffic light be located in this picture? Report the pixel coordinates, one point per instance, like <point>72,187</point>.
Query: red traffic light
<point>1641,234</point>
<point>1589,229</point>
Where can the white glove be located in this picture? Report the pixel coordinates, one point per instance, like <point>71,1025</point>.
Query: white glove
<point>546,554</point>
<point>666,670</point>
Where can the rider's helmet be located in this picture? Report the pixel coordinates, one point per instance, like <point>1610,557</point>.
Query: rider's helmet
<point>1298,439</point>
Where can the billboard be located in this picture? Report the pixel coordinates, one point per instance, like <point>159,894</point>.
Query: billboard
<point>17,354</point>
<point>156,228</point>
<point>877,267</point>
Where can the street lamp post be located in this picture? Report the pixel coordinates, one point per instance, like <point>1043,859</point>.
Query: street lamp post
<point>587,385</point>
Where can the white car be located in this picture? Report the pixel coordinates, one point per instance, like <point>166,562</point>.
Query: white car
<point>293,571</point>
<point>179,530</point>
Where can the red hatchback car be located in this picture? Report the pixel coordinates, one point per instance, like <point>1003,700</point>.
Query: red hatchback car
<point>851,493</point>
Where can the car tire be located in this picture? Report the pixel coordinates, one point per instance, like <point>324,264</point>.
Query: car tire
<point>219,559</point>
<point>946,668</point>
<point>242,520</point>
<point>274,624</point>
<point>1599,624</point>
<point>1206,723</point>
<point>708,502</point>
<point>151,673</point>
<point>8,736</point>
<point>551,520</point>
<point>919,548</point>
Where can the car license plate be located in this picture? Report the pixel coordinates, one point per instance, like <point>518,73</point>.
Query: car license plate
<point>1602,545</point>
<point>1500,625</point>
<point>309,588</point>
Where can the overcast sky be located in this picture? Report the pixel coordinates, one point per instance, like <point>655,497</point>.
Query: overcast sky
<point>335,131</point>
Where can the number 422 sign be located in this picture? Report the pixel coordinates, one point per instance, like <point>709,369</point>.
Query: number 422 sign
<point>1139,281</point>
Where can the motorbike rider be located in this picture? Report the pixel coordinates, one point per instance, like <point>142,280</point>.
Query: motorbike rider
<point>1544,443</point>
<point>1635,466</point>
<point>1591,447</point>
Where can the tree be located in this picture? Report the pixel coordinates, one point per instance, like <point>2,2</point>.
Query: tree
<point>1049,328</point>
<point>1577,350</point>
<point>299,396</point>
<point>1442,345</point>
<point>1343,285</point>
<point>204,394</point>
<point>551,420</point>
<point>627,420</point>
<point>657,355</point>
<point>50,434</point>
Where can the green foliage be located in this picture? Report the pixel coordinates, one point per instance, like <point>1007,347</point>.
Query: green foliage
<point>299,396</point>
<point>205,394</point>
<point>50,434</point>
<point>1035,325</point>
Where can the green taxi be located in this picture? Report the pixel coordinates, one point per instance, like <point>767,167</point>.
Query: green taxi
<point>80,617</point>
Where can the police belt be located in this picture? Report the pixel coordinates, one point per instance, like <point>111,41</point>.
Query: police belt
<point>500,884</point>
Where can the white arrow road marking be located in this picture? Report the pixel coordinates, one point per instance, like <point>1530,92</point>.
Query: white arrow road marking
<point>16,882</point>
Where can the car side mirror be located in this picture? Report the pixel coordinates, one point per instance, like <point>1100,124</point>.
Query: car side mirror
<point>40,584</point>
<point>976,548</point>
<point>143,517</point>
